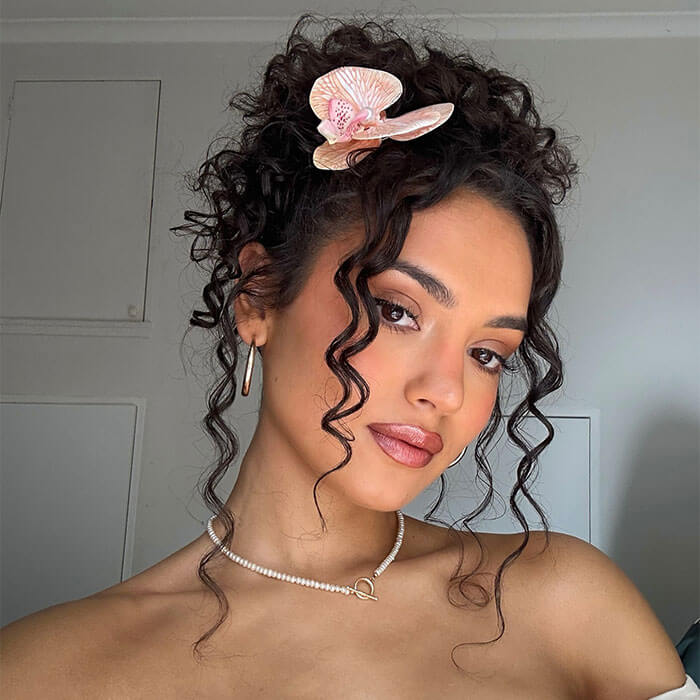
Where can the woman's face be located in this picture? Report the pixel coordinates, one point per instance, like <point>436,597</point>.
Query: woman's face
<point>429,372</point>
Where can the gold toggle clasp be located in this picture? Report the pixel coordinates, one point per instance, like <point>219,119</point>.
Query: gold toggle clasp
<point>362,594</point>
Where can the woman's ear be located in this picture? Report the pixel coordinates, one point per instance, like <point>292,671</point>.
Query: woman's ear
<point>252,319</point>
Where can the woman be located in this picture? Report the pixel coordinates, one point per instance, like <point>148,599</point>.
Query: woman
<point>382,235</point>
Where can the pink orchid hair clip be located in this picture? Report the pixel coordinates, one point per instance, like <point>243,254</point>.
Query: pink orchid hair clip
<point>351,103</point>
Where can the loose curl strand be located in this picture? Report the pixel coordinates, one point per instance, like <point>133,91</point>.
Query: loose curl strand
<point>260,185</point>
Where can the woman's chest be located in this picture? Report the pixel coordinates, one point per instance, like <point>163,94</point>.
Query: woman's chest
<point>414,666</point>
<point>347,649</point>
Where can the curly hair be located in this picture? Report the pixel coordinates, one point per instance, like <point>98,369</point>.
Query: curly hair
<point>261,185</point>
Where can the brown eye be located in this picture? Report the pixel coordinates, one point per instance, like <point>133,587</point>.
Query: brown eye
<point>392,313</point>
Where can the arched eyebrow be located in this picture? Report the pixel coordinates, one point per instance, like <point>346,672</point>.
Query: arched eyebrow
<point>444,295</point>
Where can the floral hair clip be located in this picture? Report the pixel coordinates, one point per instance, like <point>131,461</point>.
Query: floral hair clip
<point>351,103</point>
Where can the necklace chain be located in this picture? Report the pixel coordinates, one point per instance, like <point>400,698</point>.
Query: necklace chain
<point>311,583</point>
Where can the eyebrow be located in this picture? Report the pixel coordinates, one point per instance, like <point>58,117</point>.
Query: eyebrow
<point>444,295</point>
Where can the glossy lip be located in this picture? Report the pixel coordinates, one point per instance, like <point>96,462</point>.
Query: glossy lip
<point>402,452</point>
<point>412,434</point>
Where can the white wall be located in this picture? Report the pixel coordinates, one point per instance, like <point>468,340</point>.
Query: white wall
<point>628,313</point>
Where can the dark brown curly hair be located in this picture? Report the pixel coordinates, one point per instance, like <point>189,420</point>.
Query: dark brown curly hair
<point>261,185</point>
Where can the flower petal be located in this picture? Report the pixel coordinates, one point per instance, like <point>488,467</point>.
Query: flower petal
<point>334,156</point>
<point>410,125</point>
<point>362,87</point>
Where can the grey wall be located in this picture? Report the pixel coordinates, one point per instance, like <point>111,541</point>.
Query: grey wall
<point>627,315</point>
<point>282,8</point>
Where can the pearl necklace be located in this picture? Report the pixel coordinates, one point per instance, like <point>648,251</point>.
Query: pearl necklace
<point>334,588</point>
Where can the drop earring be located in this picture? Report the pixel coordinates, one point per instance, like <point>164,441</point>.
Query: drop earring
<point>248,369</point>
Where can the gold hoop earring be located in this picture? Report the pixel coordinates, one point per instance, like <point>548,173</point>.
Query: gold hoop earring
<point>248,369</point>
<point>461,454</point>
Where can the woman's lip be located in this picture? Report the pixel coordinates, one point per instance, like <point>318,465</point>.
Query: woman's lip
<point>412,434</point>
<point>401,451</point>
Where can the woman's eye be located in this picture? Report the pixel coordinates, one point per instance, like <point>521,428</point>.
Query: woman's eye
<point>395,313</point>
<point>392,312</point>
<point>490,367</point>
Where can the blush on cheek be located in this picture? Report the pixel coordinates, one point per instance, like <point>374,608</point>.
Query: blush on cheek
<point>479,412</point>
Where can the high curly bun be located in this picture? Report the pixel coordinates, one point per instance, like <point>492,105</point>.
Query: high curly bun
<point>262,186</point>
<point>259,183</point>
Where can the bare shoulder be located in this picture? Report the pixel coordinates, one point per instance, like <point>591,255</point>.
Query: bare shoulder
<point>598,625</point>
<point>598,619</point>
<point>57,652</point>
<point>91,646</point>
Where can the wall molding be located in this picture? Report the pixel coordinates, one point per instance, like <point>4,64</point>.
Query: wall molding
<point>60,326</point>
<point>477,26</point>
<point>140,404</point>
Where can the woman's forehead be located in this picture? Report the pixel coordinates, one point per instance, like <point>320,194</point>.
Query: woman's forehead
<point>464,232</point>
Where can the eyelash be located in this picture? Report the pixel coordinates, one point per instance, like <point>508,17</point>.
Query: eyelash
<point>505,365</point>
